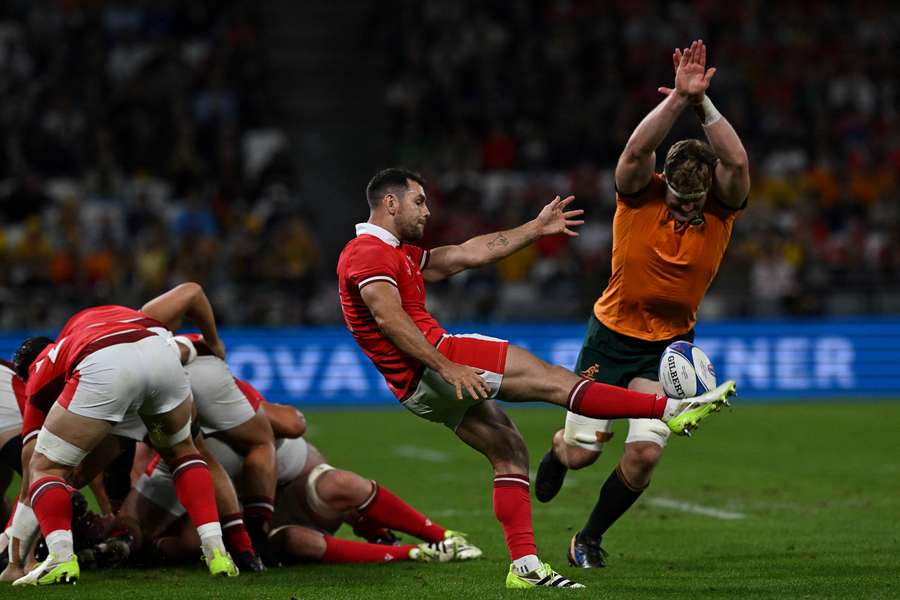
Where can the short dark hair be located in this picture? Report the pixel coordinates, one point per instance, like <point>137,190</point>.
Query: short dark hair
<point>689,166</point>
<point>27,352</point>
<point>384,181</point>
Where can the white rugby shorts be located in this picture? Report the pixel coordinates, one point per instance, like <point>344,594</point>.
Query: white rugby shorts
<point>143,377</point>
<point>435,399</point>
<point>10,417</point>
<point>221,405</point>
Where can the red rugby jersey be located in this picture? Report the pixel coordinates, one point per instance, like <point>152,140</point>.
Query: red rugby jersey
<point>375,254</point>
<point>86,332</point>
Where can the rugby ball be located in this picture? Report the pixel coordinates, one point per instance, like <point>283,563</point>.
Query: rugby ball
<point>685,371</point>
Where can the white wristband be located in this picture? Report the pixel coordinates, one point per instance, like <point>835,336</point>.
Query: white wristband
<point>710,113</point>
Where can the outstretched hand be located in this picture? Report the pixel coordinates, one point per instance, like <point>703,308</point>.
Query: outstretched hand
<point>691,75</point>
<point>554,218</point>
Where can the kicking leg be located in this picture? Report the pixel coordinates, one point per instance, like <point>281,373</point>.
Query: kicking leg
<point>528,378</point>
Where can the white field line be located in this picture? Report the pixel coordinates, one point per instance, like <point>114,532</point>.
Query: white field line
<point>696,509</point>
<point>426,454</point>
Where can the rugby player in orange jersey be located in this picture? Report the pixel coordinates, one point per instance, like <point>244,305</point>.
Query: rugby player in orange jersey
<point>670,232</point>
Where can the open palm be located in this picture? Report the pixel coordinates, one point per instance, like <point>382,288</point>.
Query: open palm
<point>691,75</point>
<point>554,218</point>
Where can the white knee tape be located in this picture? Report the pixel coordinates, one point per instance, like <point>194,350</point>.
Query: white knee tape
<point>312,495</point>
<point>161,439</point>
<point>59,450</point>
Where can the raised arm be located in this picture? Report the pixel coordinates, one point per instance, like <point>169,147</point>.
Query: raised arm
<point>635,167</point>
<point>445,261</point>
<point>731,180</point>
<point>638,160</point>
<point>187,300</point>
<point>384,303</point>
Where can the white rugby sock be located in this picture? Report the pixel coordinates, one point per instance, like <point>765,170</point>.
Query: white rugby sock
<point>60,544</point>
<point>24,528</point>
<point>211,538</point>
<point>527,564</point>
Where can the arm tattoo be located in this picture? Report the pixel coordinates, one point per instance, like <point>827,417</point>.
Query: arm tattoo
<point>498,242</point>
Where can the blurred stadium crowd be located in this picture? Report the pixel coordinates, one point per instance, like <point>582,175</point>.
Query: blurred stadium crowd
<point>505,104</point>
<point>142,146</point>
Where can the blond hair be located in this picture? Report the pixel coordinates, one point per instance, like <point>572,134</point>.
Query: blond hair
<point>689,167</point>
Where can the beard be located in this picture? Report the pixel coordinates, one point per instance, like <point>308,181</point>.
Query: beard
<point>411,231</point>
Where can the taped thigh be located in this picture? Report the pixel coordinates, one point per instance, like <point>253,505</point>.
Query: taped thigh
<point>59,450</point>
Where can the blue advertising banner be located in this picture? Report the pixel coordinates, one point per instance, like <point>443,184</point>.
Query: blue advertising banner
<point>770,360</point>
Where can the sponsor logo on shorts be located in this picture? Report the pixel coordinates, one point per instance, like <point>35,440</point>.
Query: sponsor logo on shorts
<point>591,371</point>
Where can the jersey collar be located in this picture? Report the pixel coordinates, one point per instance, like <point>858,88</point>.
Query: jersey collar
<point>380,232</point>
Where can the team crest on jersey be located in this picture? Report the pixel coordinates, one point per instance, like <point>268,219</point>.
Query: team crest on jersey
<point>591,371</point>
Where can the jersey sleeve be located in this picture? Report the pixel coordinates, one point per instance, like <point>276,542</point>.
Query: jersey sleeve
<point>654,189</point>
<point>722,210</point>
<point>370,266</point>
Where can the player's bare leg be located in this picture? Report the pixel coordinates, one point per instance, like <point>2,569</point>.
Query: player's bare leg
<point>170,435</point>
<point>488,429</point>
<point>255,440</point>
<point>237,539</point>
<point>620,490</point>
<point>64,441</point>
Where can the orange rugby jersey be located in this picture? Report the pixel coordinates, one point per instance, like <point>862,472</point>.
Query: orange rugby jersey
<point>661,269</point>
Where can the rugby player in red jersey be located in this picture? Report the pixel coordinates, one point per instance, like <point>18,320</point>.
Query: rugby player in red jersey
<point>314,499</point>
<point>106,365</point>
<point>454,379</point>
<point>222,411</point>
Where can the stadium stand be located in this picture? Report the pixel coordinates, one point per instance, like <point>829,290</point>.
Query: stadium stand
<point>143,145</point>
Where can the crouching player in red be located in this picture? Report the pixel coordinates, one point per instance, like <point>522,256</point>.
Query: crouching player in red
<point>313,500</point>
<point>106,365</point>
<point>223,412</point>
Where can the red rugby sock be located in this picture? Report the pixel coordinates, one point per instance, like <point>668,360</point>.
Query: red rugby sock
<point>51,502</point>
<point>389,510</point>
<point>602,401</point>
<point>237,540</point>
<point>512,507</point>
<point>194,487</point>
<point>349,551</point>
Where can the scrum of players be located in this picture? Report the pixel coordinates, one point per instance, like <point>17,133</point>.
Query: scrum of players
<point>184,459</point>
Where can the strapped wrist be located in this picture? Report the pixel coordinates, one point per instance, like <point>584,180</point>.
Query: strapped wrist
<point>707,112</point>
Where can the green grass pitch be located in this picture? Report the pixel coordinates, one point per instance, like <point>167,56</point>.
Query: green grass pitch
<point>816,488</point>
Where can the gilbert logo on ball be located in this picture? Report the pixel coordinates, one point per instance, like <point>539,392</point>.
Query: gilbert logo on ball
<point>685,371</point>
